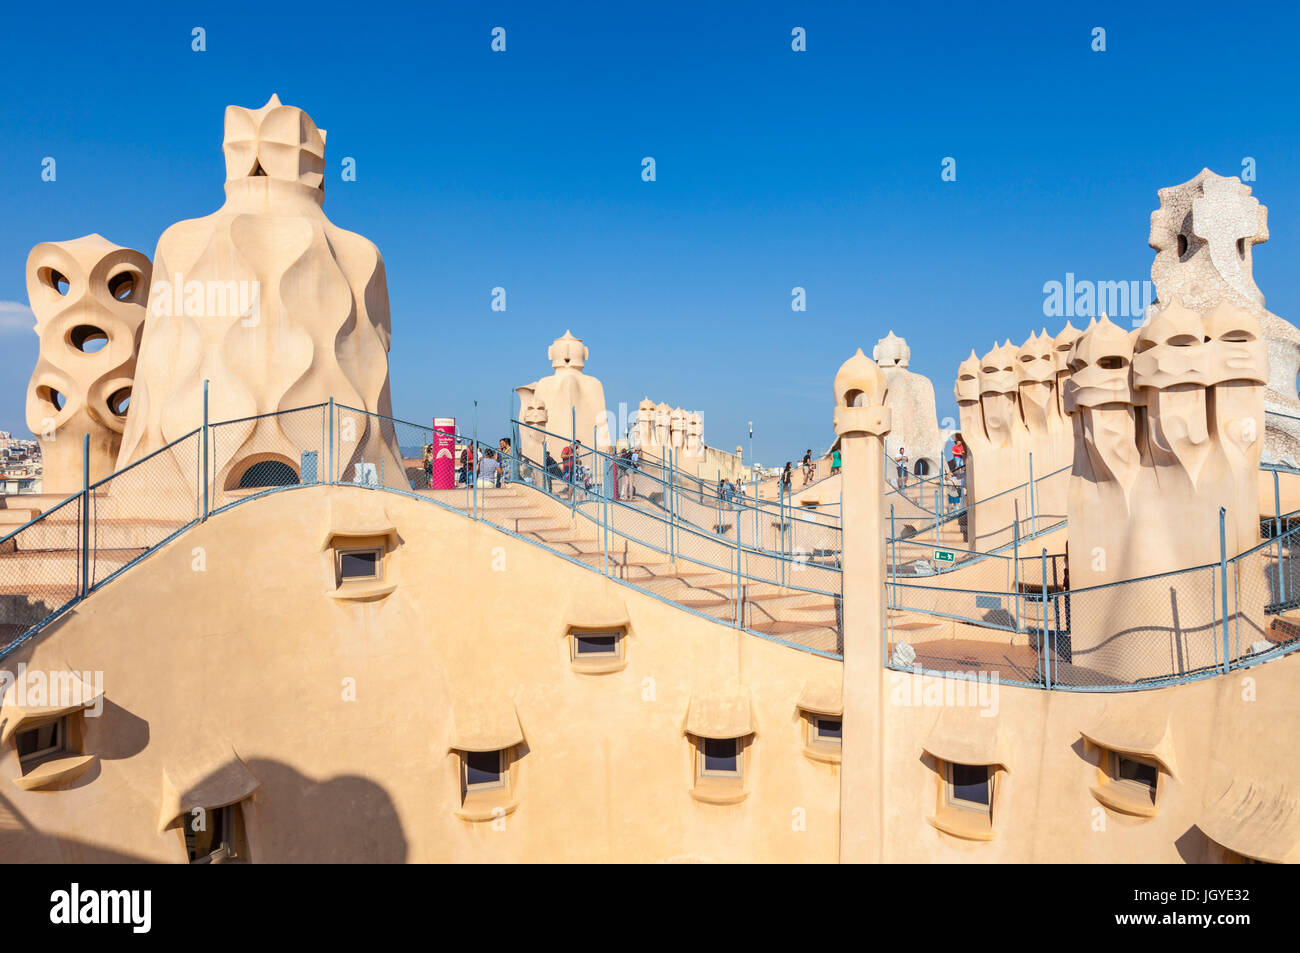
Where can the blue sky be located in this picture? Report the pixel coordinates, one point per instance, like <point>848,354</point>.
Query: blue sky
<point>775,169</point>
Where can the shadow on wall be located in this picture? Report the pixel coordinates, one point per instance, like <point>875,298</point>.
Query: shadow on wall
<point>347,819</point>
<point>292,819</point>
<point>22,843</point>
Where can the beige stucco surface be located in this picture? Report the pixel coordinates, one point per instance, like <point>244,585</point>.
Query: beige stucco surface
<point>253,652</point>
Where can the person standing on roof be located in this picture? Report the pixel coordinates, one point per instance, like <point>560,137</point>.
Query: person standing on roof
<point>958,450</point>
<point>900,462</point>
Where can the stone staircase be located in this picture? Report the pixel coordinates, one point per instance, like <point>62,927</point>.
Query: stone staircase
<point>792,615</point>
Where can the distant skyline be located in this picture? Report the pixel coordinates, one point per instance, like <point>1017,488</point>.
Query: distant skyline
<point>774,170</point>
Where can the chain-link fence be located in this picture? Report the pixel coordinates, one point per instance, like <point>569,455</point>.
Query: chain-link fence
<point>143,505</point>
<point>41,571</point>
<point>255,455</point>
<point>1132,634</point>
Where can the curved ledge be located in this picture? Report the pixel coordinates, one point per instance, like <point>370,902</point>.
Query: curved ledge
<point>827,754</point>
<point>366,592</point>
<point>1116,798</point>
<point>54,772</point>
<point>718,793</point>
<point>950,822</point>
<point>486,810</point>
<point>603,667</point>
<point>385,531</point>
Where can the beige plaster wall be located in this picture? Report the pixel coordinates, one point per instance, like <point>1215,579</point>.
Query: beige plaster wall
<point>253,651</point>
<point>1239,726</point>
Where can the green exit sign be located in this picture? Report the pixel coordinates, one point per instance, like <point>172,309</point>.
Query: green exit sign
<point>944,556</point>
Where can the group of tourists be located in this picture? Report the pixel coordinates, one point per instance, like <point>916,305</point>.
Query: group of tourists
<point>727,491</point>
<point>488,468</point>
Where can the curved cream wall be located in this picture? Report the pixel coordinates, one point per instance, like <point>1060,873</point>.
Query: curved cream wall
<point>254,651</point>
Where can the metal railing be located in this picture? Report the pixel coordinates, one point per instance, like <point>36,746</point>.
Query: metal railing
<point>1128,635</point>
<point>578,503</point>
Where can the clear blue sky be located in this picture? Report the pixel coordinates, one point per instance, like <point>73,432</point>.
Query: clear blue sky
<point>775,169</point>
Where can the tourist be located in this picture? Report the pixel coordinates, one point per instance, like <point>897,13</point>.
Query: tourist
<point>835,461</point>
<point>503,472</point>
<point>722,490</point>
<point>961,495</point>
<point>428,465</point>
<point>807,466</point>
<point>467,465</point>
<point>566,466</point>
<point>633,460</point>
<point>489,469</point>
<point>786,477</point>
<point>900,462</point>
<point>552,469</point>
<point>958,450</point>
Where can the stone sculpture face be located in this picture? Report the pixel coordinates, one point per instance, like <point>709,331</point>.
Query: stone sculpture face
<point>997,374</point>
<point>967,389</point>
<point>892,351</point>
<point>1035,361</point>
<point>1061,345</point>
<point>695,433</point>
<point>662,416</point>
<point>1171,349</point>
<point>1237,351</point>
<point>695,424</point>
<point>999,394</point>
<point>567,352</point>
<point>1100,364</point>
<point>645,421</point>
<point>677,426</point>
<point>535,413</point>
<point>89,297</point>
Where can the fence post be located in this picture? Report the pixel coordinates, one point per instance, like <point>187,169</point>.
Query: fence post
<point>609,471</point>
<point>738,600</point>
<point>780,524</point>
<point>516,450</point>
<point>672,513</point>
<point>205,449</point>
<point>331,459</point>
<point>1015,560</point>
<point>1223,581</point>
<point>893,559</point>
<point>1277,535</point>
<point>85,516</point>
<point>1033,510</point>
<point>1042,632</point>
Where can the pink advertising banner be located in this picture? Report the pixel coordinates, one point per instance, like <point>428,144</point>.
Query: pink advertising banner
<point>444,453</point>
